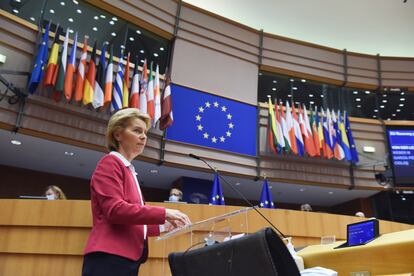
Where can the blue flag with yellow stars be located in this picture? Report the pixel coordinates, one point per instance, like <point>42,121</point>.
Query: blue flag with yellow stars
<point>266,200</point>
<point>216,197</point>
<point>212,121</point>
<point>40,63</point>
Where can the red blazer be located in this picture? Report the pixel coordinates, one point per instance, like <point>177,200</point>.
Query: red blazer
<point>118,215</point>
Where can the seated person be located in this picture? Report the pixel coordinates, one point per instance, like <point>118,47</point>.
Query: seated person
<point>176,195</point>
<point>306,207</point>
<point>360,214</point>
<point>54,192</point>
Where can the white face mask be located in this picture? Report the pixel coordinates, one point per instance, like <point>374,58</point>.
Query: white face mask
<point>174,198</point>
<point>50,197</point>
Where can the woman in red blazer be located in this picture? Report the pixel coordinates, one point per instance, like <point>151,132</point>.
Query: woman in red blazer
<point>122,223</point>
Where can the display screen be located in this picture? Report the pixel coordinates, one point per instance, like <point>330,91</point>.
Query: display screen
<point>361,233</point>
<point>401,146</point>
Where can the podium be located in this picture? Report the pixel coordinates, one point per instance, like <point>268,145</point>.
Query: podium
<point>220,246</point>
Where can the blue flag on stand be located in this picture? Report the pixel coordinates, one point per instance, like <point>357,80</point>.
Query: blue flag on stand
<point>354,152</point>
<point>216,197</point>
<point>266,200</point>
<point>212,121</point>
<point>40,63</point>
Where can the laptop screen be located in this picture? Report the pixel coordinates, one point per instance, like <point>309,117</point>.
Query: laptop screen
<point>362,232</point>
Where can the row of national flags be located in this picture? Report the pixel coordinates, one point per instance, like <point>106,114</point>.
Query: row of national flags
<point>92,81</point>
<point>217,198</point>
<point>325,134</point>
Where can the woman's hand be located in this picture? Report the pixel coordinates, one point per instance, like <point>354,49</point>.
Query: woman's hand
<point>176,218</point>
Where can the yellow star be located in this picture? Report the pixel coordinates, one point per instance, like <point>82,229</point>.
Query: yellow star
<point>201,109</point>
<point>224,108</point>
<point>266,202</point>
<point>200,127</point>
<point>208,104</point>
<point>216,104</point>
<point>231,125</point>
<point>228,133</point>
<point>261,204</point>
<point>229,116</point>
<point>205,135</point>
<point>222,139</point>
<point>214,140</point>
<point>198,118</point>
<point>217,196</point>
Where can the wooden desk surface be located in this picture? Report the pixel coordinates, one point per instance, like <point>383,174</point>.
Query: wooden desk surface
<point>389,254</point>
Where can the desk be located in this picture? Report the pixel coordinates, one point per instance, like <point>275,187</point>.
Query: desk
<point>389,254</point>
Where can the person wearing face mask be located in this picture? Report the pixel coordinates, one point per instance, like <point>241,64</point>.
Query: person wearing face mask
<point>175,195</point>
<point>54,193</point>
<point>122,222</point>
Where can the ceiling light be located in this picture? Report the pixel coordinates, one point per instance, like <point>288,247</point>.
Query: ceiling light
<point>393,115</point>
<point>75,2</point>
<point>122,46</point>
<point>382,106</point>
<point>260,74</point>
<point>388,119</point>
<point>302,80</point>
<point>95,29</point>
<point>142,61</point>
<point>15,10</point>
<point>384,101</point>
<point>138,32</point>
<point>355,92</point>
<point>311,102</point>
<point>32,18</point>
<point>102,16</point>
<point>141,51</point>
<point>374,116</point>
<point>79,11</point>
<point>114,19</point>
<point>402,99</point>
<point>302,190</point>
<point>18,1</point>
<point>270,187</point>
<point>384,95</point>
<point>96,17</point>
<point>398,110</point>
<point>367,92</point>
<point>52,11</point>
<point>16,142</point>
<point>294,88</point>
<point>70,19</point>
<point>69,153</point>
<point>111,22</point>
<point>369,149</point>
<point>403,198</point>
<point>359,106</point>
<point>237,183</point>
<point>71,31</point>
<point>62,3</point>
<point>113,34</point>
<point>311,95</point>
<point>292,80</point>
<point>155,55</point>
<point>274,81</point>
<point>402,93</point>
<point>321,96</point>
<point>274,88</point>
<point>375,110</point>
<point>289,95</point>
<point>331,193</point>
<point>357,99</point>
<point>131,38</point>
<point>401,105</point>
<point>161,48</point>
<point>153,171</point>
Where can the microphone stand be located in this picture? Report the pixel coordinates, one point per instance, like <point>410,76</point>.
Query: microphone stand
<point>239,193</point>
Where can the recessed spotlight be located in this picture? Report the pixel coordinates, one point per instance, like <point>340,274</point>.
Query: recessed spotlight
<point>142,61</point>
<point>355,92</point>
<point>155,55</point>
<point>357,99</point>
<point>290,96</point>
<point>95,29</point>
<point>79,11</point>
<point>393,115</point>
<point>292,80</point>
<point>96,17</point>
<point>274,88</point>
<point>294,88</point>
<point>162,49</point>
<point>375,110</point>
<point>114,18</point>
<point>62,3</point>
<point>32,18</point>
<point>69,153</point>
<point>131,38</point>
<point>141,51</point>
<point>113,34</point>
<point>153,171</point>
<point>18,1</point>
<point>71,31</point>
<point>388,119</point>
<point>122,46</point>
<point>402,99</point>
<point>274,81</point>
<point>16,142</point>
<point>384,101</point>
<point>15,10</point>
<point>401,105</point>
<point>359,106</point>
<point>403,198</point>
<point>331,193</point>
<point>260,74</point>
<point>398,110</point>
<point>70,19</point>
<point>102,16</point>
<point>321,96</point>
<point>367,92</point>
<point>52,11</point>
<point>237,183</point>
<point>402,93</point>
<point>374,116</point>
<point>75,2</point>
<point>303,80</point>
<point>111,22</point>
<point>311,102</point>
<point>138,31</point>
<point>311,95</point>
<point>384,95</point>
<point>302,190</point>
<point>382,106</point>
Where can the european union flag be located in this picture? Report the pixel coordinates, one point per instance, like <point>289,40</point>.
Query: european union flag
<point>40,63</point>
<point>212,121</point>
<point>216,197</point>
<point>266,200</point>
<point>354,152</point>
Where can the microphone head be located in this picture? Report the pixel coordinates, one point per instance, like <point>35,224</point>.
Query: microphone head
<point>194,156</point>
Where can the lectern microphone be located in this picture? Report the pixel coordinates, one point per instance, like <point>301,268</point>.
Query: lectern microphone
<point>238,192</point>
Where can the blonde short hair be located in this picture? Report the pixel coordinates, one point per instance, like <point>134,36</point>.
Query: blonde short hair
<point>119,121</point>
<point>58,191</point>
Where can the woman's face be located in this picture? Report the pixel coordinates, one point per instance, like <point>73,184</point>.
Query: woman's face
<point>133,138</point>
<point>51,195</point>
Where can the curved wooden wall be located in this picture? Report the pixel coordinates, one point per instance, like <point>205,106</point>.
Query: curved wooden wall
<point>48,237</point>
